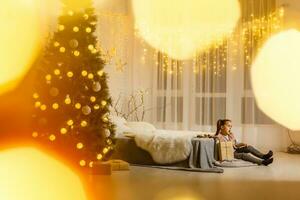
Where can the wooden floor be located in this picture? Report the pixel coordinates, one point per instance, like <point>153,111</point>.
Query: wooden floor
<point>281,180</point>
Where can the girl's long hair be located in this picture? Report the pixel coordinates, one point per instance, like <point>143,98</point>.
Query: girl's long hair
<point>220,123</point>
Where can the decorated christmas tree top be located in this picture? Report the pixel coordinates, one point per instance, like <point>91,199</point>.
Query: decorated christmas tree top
<point>71,96</point>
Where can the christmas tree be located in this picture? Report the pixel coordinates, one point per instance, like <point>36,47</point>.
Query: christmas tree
<point>71,96</point>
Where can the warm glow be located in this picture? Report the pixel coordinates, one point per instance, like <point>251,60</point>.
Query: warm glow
<point>180,27</point>
<point>275,78</point>
<point>29,174</point>
<point>19,38</point>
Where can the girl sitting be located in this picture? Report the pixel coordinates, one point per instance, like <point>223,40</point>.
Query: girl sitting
<point>241,150</point>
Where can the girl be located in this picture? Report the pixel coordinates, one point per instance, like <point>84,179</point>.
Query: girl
<point>241,150</point>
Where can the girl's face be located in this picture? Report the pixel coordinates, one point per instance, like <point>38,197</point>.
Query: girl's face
<point>226,128</point>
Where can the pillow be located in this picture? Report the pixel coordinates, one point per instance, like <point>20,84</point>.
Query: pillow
<point>120,125</point>
<point>140,126</point>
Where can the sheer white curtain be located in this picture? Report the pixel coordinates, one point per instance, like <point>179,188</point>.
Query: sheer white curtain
<point>194,94</point>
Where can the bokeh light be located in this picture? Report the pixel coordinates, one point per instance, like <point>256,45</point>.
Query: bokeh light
<point>33,175</point>
<point>275,78</point>
<point>20,39</point>
<point>180,27</point>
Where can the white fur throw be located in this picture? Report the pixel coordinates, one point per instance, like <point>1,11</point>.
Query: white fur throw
<point>165,146</point>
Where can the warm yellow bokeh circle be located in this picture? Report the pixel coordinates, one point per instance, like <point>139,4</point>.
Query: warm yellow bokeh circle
<point>180,27</point>
<point>275,78</point>
<point>28,174</point>
<point>19,39</point>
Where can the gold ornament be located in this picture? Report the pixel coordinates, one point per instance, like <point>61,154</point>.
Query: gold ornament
<point>107,132</point>
<point>35,95</point>
<point>86,110</point>
<point>91,47</point>
<point>99,156</point>
<point>96,87</point>
<point>63,131</point>
<point>62,49</point>
<point>82,163</point>
<point>91,164</point>
<point>73,43</point>
<point>76,53</point>
<point>96,107</point>
<point>67,100</point>
<point>52,137</point>
<point>88,30</point>
<point>70,122</point>
<point>48,77</point>
<point>104,119</point>
<point>56,44</point>
<point>84,73</point>
<point>92,99</point>
<point>103,103</point>
<point>100,73</point>
<point>70,74</point>
<point>79,145</point>
<point>57,72</point>
<point>86,16</point>
<point>90,76</point>
<point>83,123</point>
<point>75,29</point>
<point>35,134</point>
<point>77,105</point>
<point>37,104</point>
<point>54,91</point>
<point>61,27</point>
<point>105,150</point>
<point>43,107</point>
<point>55,106</point>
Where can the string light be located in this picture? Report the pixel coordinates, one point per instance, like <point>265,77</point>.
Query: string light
<point>63,131</point>
<point>62,49</point>
<point>88,30</point>
<point>84,73</point>
<point>35,134</point>
<point>57,72</point>
<point>83,123</point>
<point>70,122</point>
<point>55,106</point>
<point>70,74</point>
<point>75,29</point>
<point>43,107</point>
<point>90,76</point>
<point>99,156</point>
<point>76,53</point>
<point>52,137</point>
<point>61,27</point>
<point>92,99</point>
<point>77,105</point>
<point>37,104</point>
<point>79,145</point>
<point>35,95</point>
<point>82,163</point>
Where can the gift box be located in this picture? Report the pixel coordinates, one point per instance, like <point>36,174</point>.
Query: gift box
<point>226,151</point>
<point>119,165</point>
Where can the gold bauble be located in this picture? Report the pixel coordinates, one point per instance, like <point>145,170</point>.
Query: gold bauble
<point>48,77</point>
<point>84,73</point>
<point>96,107</point>
<point>56,44</point>
<point>35,95</point>
<point>107,132</point>
<point>75,29</point>
<point>37,104</point>
<point>43,107</point>
<point>90,76</point>
<point>57,72</point>
<point>79,145</point>
<point>88,30</point>
<point>96,87</point>
<point>77,105</point>
<point>92,99</point>
<point>91,47</point>
<point>76,53</point>
<point>70,74</point>
<point>68,100</point>
<point>86,110</point>
<point>83,123</point>
<point>35,134</point>
<point>70,122</point>
<point>55,106</point>
<point>82,163</point>
<point>62,49</point>
<point>99,156</point>
<point>86,16</point>
<point>73,43</point>
<point>52,137</point>
<point>103,103</point>
<point>100,73</point>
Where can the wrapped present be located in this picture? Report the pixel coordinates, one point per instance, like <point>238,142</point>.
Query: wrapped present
<point>101,168</point>
<point>118,165</point>
<point>226,151</point>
